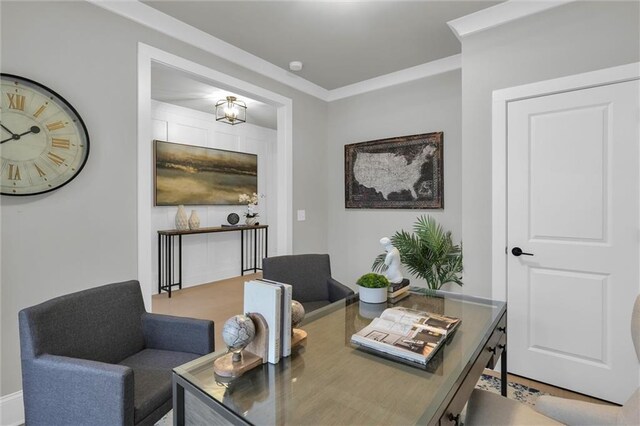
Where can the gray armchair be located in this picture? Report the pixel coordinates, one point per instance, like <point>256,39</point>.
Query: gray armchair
<point>96,357</point>
<point>310,277</point>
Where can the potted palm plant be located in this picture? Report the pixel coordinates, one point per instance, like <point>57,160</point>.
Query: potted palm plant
<point>427,253</point>
<point>372,288</point>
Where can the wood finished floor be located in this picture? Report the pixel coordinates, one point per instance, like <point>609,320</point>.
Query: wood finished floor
<point>220,300</point>
<point>217,301</point>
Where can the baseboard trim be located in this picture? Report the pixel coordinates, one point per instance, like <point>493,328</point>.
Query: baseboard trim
<point>12,409</point>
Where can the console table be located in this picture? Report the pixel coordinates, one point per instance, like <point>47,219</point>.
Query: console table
<point>331,382</point>
<point>253,247</point>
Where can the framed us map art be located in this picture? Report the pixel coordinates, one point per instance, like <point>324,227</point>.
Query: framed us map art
<point>396,173</point>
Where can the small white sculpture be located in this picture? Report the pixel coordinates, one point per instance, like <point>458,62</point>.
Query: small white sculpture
<point>392,260</point>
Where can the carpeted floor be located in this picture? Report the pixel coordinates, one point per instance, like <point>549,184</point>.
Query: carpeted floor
<point>489,383</point>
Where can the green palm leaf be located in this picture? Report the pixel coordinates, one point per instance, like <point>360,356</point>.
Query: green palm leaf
<point>428,253</point>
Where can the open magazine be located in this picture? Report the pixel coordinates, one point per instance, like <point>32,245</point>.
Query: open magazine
<point>407,334</point>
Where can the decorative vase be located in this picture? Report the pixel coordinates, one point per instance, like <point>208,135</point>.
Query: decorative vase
<point>373,295</point>
<point>251,221</point>
<point>182,221</point>
<point>194,220</point>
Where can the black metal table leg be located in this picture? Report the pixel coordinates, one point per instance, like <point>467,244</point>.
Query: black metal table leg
<point>255,251</point>
<point>242,252</point>
<point>159,265</point>
<point>170,261</point>
<point>179,262</point>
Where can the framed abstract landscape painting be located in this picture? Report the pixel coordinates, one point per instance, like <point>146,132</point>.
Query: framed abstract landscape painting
<point>195,175</point>
<point>396,173</point>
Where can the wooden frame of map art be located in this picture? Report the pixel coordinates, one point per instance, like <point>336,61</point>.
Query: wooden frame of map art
<point>396,173</point>
<point>196,175</point>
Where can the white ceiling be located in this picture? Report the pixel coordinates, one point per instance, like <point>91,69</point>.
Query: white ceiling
<point>182,89</point>
<point>339,42</point>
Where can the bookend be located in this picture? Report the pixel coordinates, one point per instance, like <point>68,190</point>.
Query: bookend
<point>298,337</point>
<point>253,355</point>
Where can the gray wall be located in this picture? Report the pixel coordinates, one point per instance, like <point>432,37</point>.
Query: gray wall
<point>427,105</point>
<point>571,39</point>
<point>84,234</point>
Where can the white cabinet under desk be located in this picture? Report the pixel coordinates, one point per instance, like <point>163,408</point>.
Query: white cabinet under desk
<point>253,248</point>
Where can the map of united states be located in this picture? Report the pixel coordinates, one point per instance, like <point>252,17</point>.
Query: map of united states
<point>387,172</point>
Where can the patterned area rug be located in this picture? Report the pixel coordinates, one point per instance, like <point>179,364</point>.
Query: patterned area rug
<point>515,391</point>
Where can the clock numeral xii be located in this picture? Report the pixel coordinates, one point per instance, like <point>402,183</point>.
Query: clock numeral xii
<point>16,101</point>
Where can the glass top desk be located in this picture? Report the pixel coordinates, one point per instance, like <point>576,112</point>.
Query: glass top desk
<point>331,382</point>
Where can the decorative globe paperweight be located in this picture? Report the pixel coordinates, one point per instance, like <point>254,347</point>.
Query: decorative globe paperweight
<point>237,332</point>
<point>298,336</point>
<point>245,338</point>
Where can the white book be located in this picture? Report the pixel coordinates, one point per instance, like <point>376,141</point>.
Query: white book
<point>285,335</point>
<point>266,300</point>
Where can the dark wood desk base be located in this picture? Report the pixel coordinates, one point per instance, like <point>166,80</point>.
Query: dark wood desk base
<point>493,349</point>
<point>193,407</point>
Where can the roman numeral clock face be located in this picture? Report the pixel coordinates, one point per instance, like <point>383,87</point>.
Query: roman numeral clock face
<point>44,143</point>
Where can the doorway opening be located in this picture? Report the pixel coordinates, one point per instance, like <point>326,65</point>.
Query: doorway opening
<point>281,160</point>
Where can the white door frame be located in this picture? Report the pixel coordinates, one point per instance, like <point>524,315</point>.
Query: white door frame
<point>284,158</point>
<point>501,99</point>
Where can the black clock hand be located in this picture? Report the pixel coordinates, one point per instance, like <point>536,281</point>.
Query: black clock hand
<point>5,127</point>
<point>33,129</point>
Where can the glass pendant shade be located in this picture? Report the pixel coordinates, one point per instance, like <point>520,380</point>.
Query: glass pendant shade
<point>231,111</point>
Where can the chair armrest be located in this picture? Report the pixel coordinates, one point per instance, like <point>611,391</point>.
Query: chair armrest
<point>178,333</point>
<point>63,390</point>
<point>337,291</point>
<point>572,412</point>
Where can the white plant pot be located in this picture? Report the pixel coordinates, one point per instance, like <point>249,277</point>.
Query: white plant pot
<point>371,310</point>
<point>372,295</point>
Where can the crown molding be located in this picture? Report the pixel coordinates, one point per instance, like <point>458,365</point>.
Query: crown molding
<point>172,27</point>
<point>168,25</point>
<point>428,69</point>
<point>500,14</point>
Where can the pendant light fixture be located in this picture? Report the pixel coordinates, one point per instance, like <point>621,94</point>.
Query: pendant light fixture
<point>231,111</point>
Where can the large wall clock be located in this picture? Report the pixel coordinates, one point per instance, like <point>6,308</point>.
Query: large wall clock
<point>44,144</point>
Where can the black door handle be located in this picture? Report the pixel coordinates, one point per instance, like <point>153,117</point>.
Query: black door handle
<point>517,251</point>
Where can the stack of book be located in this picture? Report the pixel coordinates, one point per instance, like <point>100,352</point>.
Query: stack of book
<point>398,291</point>
<point>406,335</point>
<point>272,300</point>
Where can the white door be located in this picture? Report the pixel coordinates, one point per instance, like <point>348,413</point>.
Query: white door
<point>572,202</point>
